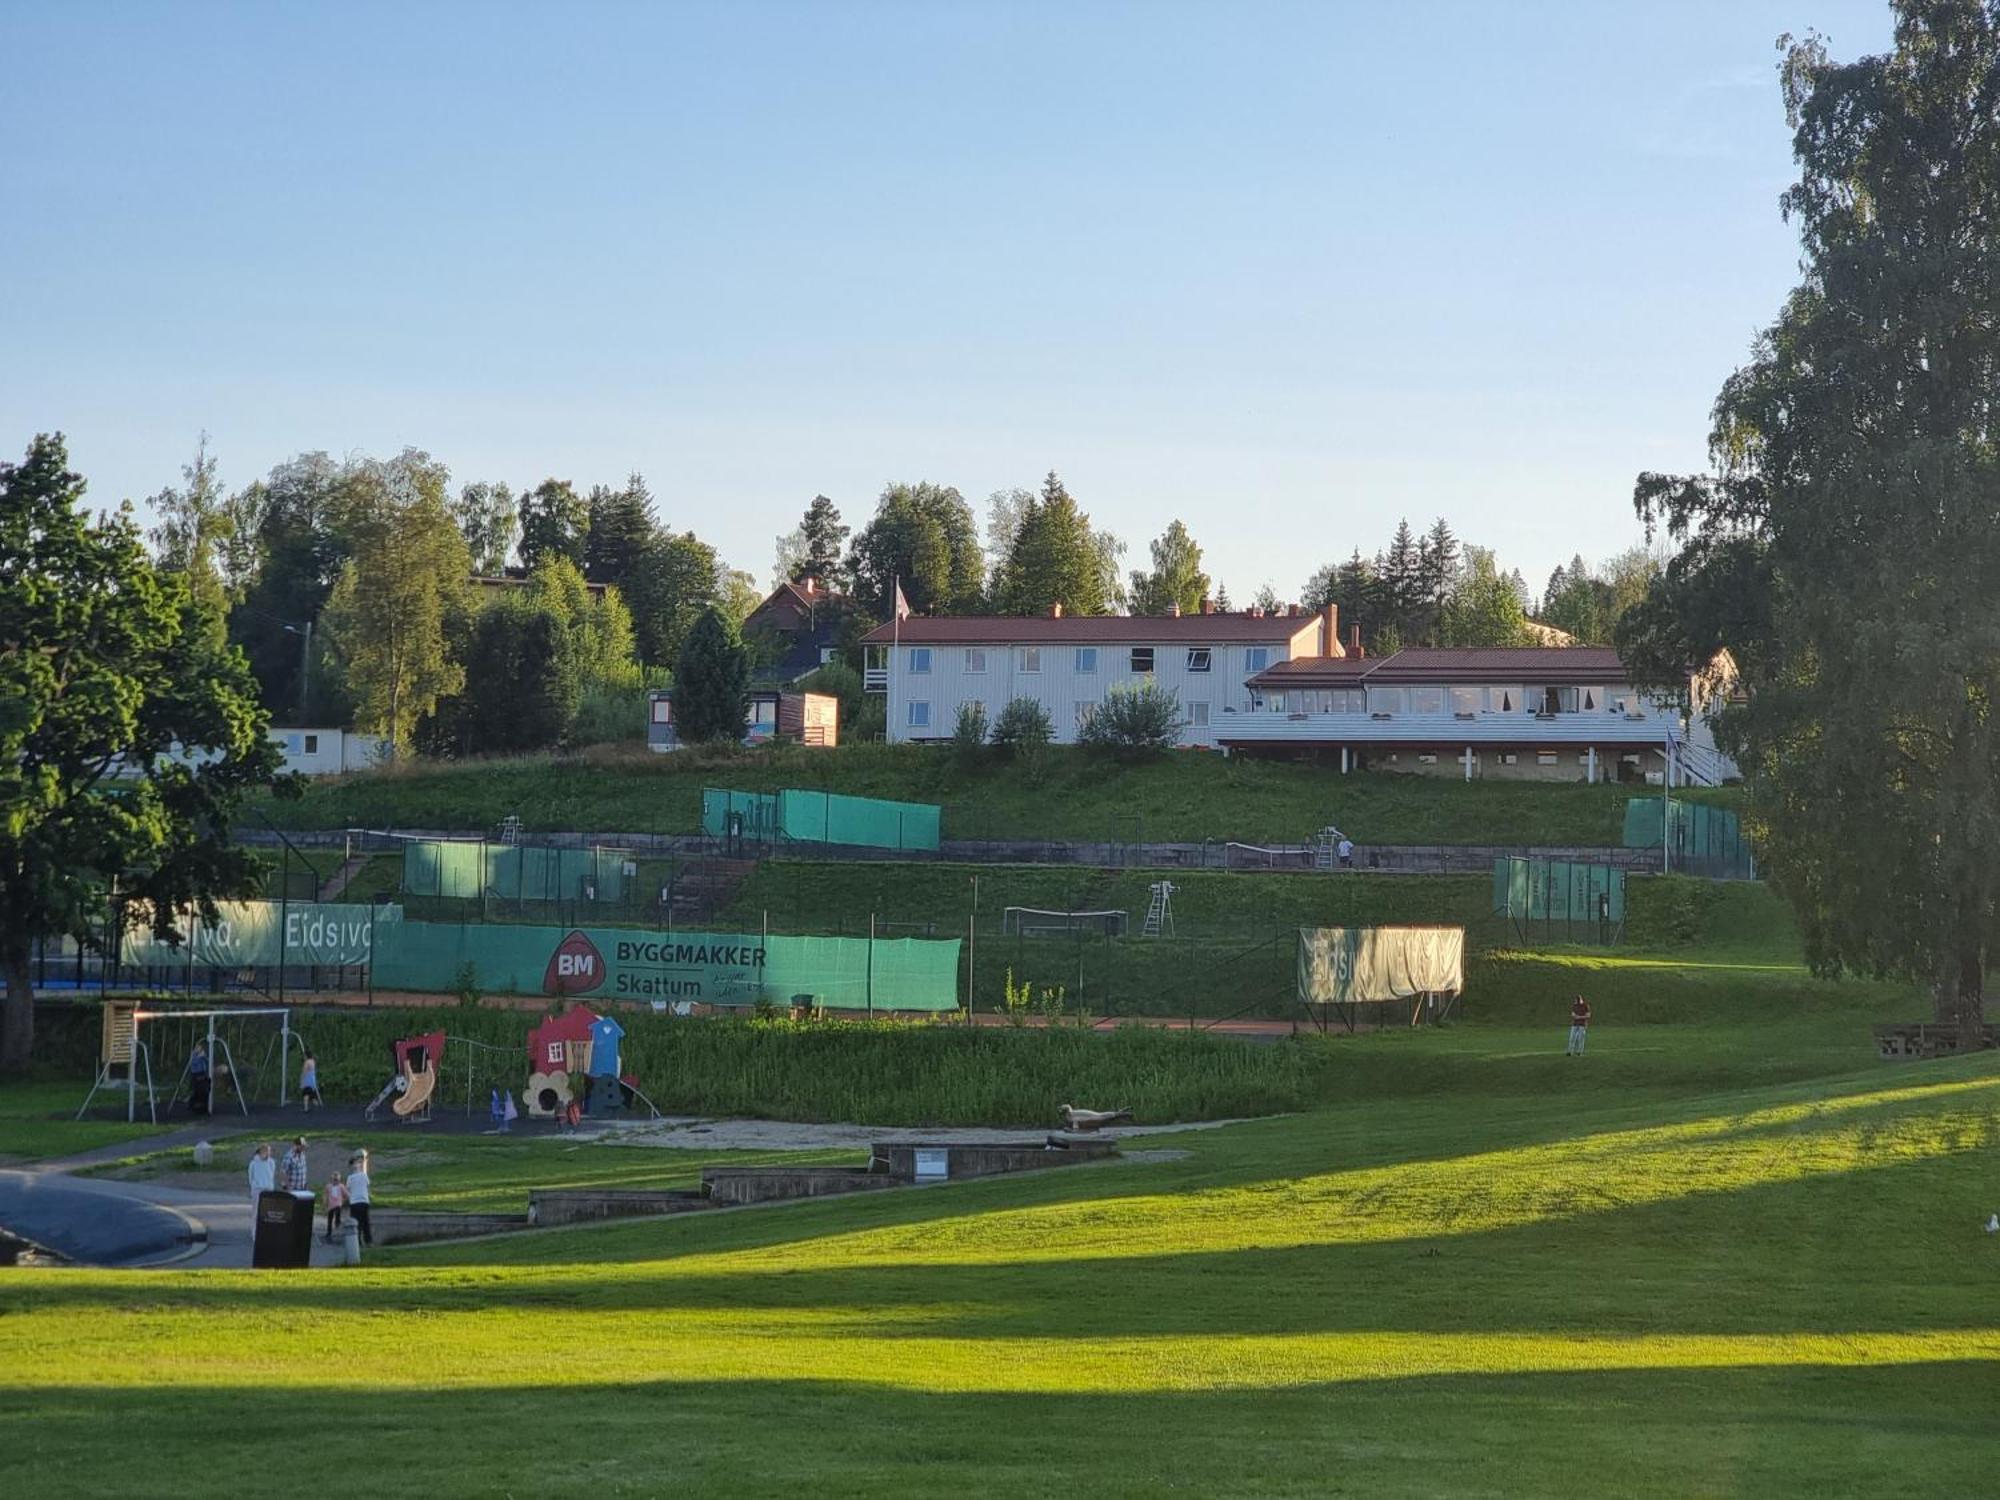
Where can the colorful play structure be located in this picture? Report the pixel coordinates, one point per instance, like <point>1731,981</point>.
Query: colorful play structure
<point>409,1089</point>
<point>573,1065</point>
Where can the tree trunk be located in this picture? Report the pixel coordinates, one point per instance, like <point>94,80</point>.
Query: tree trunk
<point>1961,994</point>
<point>17,1012</point>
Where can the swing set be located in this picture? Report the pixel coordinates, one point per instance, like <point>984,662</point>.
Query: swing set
<point>124,1047</point>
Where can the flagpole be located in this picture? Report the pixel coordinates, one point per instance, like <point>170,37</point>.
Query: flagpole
<point>895,650</point>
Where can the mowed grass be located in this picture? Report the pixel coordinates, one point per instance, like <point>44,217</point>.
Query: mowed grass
<point>38,1120</point>
<point>1182,797</point>
<point>1733,1257</point>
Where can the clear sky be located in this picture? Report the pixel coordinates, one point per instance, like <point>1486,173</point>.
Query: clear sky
<point>1284,271</point>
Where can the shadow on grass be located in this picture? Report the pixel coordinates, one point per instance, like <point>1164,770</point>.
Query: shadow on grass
<point>596,1428</point>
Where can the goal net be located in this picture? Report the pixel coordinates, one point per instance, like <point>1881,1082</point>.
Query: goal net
<point>1031,921</point>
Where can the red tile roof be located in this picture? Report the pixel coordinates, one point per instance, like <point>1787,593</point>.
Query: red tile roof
<point>1452,664</point>
<point>1085,630</point>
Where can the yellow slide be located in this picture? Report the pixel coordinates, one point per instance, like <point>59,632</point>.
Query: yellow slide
<point>418,1095</point>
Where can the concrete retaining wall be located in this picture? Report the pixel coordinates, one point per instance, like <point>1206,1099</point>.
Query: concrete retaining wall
<point>727,1186</point>
<point>990,1158</point>
<point>552,1206</point>
<point>402,1226</point>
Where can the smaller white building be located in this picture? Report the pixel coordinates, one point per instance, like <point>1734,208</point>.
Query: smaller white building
<point>328,752</point>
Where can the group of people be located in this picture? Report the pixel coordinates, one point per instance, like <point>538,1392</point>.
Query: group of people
<point>201,1081</point>
<point>345,1196</point>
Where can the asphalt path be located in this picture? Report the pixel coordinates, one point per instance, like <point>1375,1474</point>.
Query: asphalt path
<point>97,1223</point>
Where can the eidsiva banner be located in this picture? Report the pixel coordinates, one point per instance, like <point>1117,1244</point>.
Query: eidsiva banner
<point>708,968</point>
<point>262,934</point>
<point>1348,964</point>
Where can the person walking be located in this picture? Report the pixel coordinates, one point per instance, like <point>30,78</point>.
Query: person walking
<point>263,1173</point>
<point>292,1172</point>
<point>357,1193</point>
<point>336,1199</point>
<point>309,1085</point>
<point>498,1115</point>
<point>1346,852</point>
<point>198,1079</point>
<point>1579,1025</point>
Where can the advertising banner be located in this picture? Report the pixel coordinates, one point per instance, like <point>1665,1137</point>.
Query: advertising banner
<point>1348,964</point>
<point>262,934</point>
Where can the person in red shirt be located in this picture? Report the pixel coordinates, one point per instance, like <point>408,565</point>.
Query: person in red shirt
<point>1579,1025</point>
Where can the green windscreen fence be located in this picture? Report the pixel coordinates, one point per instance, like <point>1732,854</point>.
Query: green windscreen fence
<point>265,934</point>
<point>819,818</point>
<point>670,968</point>
<point>1702,840</point>
<point>1566,899</point>
<point>512,872</point>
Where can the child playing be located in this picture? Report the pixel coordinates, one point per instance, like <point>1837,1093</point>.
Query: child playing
<point>309,1085</point>
<point>336,1200</point>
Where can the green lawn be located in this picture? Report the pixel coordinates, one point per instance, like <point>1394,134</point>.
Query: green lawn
<point>1187,796</point>
<point>38,1120</point>
<point>1734,1258</point>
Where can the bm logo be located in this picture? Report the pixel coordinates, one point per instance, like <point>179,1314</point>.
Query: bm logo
<point>575,968</point>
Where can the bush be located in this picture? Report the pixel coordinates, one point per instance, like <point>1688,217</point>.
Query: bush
<point>968,735</point>
<point>1134,722</point>
<point>610,716</point>
<point>1023,728</point>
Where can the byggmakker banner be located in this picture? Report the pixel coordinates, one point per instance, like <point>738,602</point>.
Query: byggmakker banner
<point>262,934</point>
<point>624,963</point>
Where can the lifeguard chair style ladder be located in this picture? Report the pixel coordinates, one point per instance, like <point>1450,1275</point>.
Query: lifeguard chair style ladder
<point>1160,911</point>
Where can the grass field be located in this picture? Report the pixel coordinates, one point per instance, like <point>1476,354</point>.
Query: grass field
<point>1734,1258</point>
<point>1079,796</point>
<point>37,1120</point>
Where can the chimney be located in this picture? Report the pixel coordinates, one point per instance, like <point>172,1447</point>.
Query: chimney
<point>1207,605</point>
<point>1255,611</point>
<point>810,584</point>
<point>1055,610</point>
<point>1330,629</point>
<point>1355,648</point>
<point>1177,609</point>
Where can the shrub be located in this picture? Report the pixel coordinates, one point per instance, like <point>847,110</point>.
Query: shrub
<point>1023,728</point>
<point>1134,722</point>
<point>968,735</point>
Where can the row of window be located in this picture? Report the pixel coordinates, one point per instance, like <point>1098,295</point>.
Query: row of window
<point>1083,659</point>
<point>1456,700</point>
<point>1194,715</point>
<point>1510,757</point>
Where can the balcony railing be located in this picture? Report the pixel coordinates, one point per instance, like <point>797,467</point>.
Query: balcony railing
<point>1584,728</point>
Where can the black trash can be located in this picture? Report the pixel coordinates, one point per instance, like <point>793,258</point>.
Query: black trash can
<point>283,1233</point>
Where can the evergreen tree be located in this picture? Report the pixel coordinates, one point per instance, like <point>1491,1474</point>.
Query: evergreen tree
<point>823,536</point>
<point>1055,559</point>
<point>1402,584</point>
<point>554,522</point>
<point>1175,578</point>
<point>296,553</point>
<point>1485,606</point>
<point>622,531</point>
<point>712,681</point>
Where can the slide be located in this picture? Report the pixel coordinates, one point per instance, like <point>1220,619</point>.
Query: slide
<point>418,1095</point>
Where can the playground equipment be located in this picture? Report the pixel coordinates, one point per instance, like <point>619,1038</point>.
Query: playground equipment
<point>1160,910</point>
<point>572,1054</point>
<point>123,1043</point>
<point>408,1092</point>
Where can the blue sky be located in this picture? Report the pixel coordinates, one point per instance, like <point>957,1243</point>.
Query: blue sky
<point>1284,271</point>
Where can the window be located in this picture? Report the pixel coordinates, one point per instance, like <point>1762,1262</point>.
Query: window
<point>1385,700</point>
<point>1508,757</point>
<point>1086,660</point>
<point>1427,759</point>
<point>1545,757</point>
<point>920,713</point>
<point>663,710</point>
<point>1465,700</point>
<point>1031,658</point>
<point>1621,701</point>
<point>975,658</point>
<point>1256,658</point>
<point>312,744</point>
<point>1427,700</point>
<point>1591,698</point>
<point>1197,715</point>
<point>1555,700</point>
<point>1504,700</point>
<point>828,654</point>
<point>1199,658</point>
<point>763,712</point>
<point>1142,660</point>
<point>920,660</point>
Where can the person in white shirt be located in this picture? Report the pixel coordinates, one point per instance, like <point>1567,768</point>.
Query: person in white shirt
<point>263,1173</point>
<point>357,1194</point>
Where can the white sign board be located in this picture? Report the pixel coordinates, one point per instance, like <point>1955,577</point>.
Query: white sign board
<point>933,1165</point>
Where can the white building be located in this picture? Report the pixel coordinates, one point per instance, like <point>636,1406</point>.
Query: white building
<point>1282,684</point>
<point>1068,663</point>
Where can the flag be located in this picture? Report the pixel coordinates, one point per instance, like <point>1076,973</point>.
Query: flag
<point>902,605</point>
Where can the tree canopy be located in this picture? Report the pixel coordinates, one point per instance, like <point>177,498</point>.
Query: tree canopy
<point>1843,546</point>
<point>923,535</point>
<point>1055,559</point>
<point>712,681</point>
<point>127,732</point>
<point>1175,579</point>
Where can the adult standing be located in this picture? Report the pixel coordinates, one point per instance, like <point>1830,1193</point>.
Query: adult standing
<point>1579,1025</point>
<point>198,1079</point>
<point>263,1173</point>
<point>357,1194</point>
<point>292,1170</point>
<point>309,1084</point>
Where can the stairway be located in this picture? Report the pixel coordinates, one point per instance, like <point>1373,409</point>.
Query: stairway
<point>331,887</point>
<point>703,886</point>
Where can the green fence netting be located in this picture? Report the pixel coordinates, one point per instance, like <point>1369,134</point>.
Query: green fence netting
<point>819,818</point>
<point>1566,899</point>
<point>512,872</point>
<point>1702,840</point>
<point>671,967</point>
<point>264,934</point>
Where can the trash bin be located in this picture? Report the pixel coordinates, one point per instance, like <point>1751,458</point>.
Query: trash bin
<point>283,1234</point>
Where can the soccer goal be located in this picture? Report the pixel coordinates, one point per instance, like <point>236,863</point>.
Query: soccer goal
<point>1031,921</point>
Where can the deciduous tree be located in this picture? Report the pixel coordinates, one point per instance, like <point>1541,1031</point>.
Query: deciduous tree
<point>1175,579</point>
